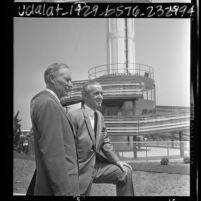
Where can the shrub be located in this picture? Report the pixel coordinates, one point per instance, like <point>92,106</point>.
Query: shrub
<point>164,161</point>
<point>186,159</point>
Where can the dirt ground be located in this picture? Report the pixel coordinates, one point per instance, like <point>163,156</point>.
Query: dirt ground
<point>145,183</point>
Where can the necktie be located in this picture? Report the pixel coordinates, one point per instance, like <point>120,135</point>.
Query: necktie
<point>95,123</point>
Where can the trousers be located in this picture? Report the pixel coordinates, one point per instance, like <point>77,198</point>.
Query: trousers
<point>112,174</point>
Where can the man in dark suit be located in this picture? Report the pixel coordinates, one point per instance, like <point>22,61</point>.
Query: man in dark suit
<point>98,163</point>
<point>55,152</point>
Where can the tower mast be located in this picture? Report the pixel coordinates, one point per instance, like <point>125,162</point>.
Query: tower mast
<point>121,45</point>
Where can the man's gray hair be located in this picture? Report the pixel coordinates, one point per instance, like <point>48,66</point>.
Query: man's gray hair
<point>85,87</point>
<point>50,72</point>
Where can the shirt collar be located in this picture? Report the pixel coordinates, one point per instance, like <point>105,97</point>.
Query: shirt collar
<point>89,110</point>
<point>52,92</point>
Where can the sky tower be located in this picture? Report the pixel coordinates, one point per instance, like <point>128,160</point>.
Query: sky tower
<point>121,45</point>
<point>129,88</point>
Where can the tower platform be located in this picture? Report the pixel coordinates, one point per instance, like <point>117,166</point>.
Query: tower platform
<point>127,91</point>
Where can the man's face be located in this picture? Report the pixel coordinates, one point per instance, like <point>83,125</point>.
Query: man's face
<point>62,82</point>
<point>94,97</point>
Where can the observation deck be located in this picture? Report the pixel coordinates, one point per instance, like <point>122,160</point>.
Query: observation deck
<point>120,82</point>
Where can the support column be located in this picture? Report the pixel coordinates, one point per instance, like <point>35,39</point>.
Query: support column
<point>172,140</point>
<point>181,138</point>
<point>135,147</point>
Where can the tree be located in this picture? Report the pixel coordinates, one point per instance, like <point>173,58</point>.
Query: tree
<point>16,132</point>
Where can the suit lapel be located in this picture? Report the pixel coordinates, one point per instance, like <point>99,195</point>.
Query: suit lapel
<point>90,129</point>
<point>68,119</point>
<point>62,109</point>
<point>70,122</point>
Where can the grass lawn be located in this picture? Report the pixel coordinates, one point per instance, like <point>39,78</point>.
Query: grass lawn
<point>149,179</point>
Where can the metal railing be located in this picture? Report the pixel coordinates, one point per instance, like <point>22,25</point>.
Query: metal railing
<point>147,125</point>
<point>110,92</point>
<point>121,69</point>
<point>151,117</point>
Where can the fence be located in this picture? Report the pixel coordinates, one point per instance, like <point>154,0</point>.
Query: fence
<point>147,151</point>
<point>152,150</point>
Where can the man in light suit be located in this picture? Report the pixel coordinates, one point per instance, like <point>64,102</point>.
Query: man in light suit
<point>55,152</point>
<point>98,163</point>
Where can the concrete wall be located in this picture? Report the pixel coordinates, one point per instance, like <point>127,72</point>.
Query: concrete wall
<point>129,108</point>
<point>144,106</point>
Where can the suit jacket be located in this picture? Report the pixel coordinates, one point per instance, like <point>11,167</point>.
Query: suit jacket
<point>90,149</point>
<point>55,151</point>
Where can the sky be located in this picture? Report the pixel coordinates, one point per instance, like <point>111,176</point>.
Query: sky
<point>163,44</point>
